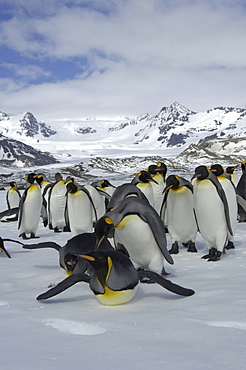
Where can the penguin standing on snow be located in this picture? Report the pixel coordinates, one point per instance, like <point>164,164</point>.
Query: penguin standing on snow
<point>30,208</point>
<point>158,173</point>
<point>79,209</point>
<point>139,228</point>
<point>13,196</point>
<point>178,211</point>
<point>231,197</point>
<point>113,279</point>
<point>57,203</point>
<point>143,181</point>
<point>212,211</point>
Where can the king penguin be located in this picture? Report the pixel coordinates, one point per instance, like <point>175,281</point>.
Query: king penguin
<point>113,279</point>
<point>79,209</point>
<point>212,211</point>
<point>158,173</point>
<point>45,186</point>
<point>57,203</point>
<point>30,208</point>
<point>139,228</point>
<point>178,211</point>
<point>231,196</point>
<point>13,196</point>
<point>143,181</point>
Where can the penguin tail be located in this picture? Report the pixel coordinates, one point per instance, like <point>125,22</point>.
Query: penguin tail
<point>167,284</point>
<point>63,285</point>
<point>42,245</point>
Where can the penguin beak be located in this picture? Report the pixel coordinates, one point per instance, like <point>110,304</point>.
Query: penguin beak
<point>167,188</point>
<point>154,181</point>
<point>89,258</point>
<point>99,241</point>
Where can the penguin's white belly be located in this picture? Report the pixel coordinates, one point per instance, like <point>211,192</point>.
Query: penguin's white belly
<point>98,201</point>
<point>158,193</point>
<point>210,214</point>
<point>112,298</point>
<point>13,198</point>
<point>79,213</point>
<point>57,206</point>
<point>180,216</point>
<point>31,211</point>
<point>146,188</point>
<point>138,239</point>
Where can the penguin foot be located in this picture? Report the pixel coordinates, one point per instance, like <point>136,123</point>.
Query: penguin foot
<point>23,236</point>
<point>230,245</point>
<point>191,247</point>
<point>50,227</point>
<point>56,230</point>
<point>174,249</point>
<point>33,236</point>
<point>213,255</point>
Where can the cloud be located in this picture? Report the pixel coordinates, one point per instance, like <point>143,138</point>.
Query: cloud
<point>129,56</point>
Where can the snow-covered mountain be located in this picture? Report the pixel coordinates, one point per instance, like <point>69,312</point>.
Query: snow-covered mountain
<point>174,132</point>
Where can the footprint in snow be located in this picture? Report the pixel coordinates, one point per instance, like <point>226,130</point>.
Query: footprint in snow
<point>74,327</point>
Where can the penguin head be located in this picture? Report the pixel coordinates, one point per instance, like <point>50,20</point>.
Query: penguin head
<point>58,176</point>
<point>217,169</point>
<point>72,187</point>
<point>201,173</point>
<point>230,169</point>
<point>70,261</point>
<point>31,177</point>
<point>145,176</point>
<point>173,181</point>
<point>101,263</point>
<point>12,184</point>
<point>106,183</point>
<point>102,228</point>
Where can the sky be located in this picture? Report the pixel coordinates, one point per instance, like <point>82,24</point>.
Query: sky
<point>64,59</point>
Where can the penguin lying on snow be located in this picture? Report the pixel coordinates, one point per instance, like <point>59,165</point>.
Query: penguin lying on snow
<point>9,215</point>
<point>68,259</point>
<point>113,279</point>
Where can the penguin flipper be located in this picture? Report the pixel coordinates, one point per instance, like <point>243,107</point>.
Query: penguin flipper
<point>2,248</point>
<point>167,284</point>
<point>22,200</point>
<point>63,285</point>
<point>222,196</point>
<point>42,245</point>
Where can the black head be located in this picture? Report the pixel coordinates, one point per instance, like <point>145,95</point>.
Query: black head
<point>70,261</point>
<point>173,182</point>
<point>31,177</point>
<point>217,169</point>
<point>201,172</point>
<point>72,187</point>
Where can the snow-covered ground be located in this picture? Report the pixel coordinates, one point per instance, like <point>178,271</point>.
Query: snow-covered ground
<point>156,330</point>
